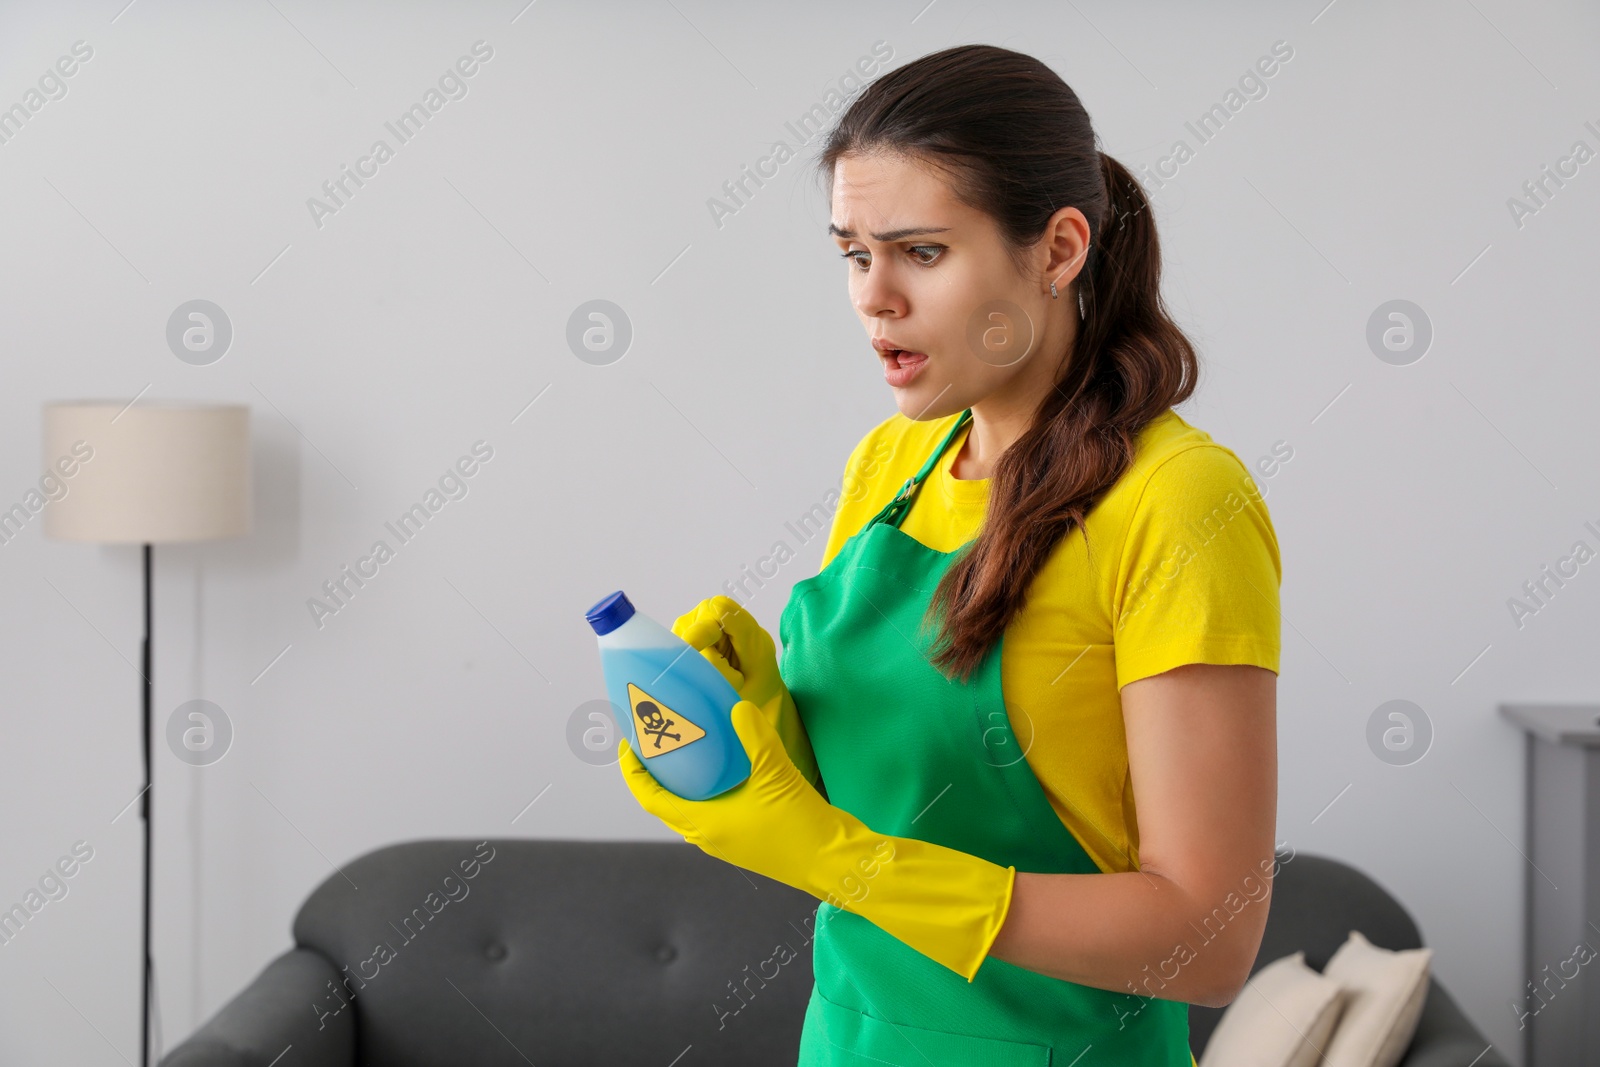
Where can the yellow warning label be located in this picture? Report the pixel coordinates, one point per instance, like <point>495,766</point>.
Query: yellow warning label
<point>658,728</point>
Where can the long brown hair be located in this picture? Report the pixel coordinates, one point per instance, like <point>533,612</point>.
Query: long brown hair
<point>1018,145</point>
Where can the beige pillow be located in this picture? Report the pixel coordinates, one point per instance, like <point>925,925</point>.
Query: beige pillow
<point>1281,1018</point>
<point>1386,994</point>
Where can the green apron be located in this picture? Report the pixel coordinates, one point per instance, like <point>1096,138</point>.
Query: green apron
<point>914,754</point>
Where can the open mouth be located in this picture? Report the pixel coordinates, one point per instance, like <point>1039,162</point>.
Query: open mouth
<point>901,358</point>
<point>900,366</point>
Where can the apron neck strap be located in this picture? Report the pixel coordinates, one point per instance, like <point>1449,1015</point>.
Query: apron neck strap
<point>896,509</point>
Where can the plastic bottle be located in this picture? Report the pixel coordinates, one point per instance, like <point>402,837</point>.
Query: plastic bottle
<point>671,695</point>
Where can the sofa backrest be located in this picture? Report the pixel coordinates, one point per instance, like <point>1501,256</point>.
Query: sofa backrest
<point>1315,903</point>
<point>510,951</point>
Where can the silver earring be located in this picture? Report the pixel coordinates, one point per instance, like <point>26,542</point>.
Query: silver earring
<point>1082,314</point>
<point>1053,293</point>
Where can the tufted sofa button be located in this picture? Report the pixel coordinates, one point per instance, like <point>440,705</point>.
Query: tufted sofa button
<point>495,951</point>
<point>666,953</point>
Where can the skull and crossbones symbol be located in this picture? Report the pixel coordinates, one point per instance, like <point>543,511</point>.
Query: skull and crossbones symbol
<point>655,722</point>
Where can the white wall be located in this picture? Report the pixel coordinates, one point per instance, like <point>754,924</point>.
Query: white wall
<point>431,310</point>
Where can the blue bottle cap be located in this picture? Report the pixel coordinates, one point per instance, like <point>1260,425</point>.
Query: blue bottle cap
<point>610,613</point>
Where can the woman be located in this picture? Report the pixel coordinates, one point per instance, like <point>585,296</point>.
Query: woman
<point>1023,742</point>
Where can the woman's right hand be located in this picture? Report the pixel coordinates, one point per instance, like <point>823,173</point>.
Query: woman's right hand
<point>730,638</point>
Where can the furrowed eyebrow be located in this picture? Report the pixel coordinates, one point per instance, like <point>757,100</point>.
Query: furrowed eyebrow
<point>891,235</point>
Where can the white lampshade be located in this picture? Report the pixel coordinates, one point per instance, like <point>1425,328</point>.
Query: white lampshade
<point>148,472</point>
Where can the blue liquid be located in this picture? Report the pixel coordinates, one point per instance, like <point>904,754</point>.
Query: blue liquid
<point>685,686</point>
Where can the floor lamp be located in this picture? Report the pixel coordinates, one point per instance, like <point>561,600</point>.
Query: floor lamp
<point>147,473</point>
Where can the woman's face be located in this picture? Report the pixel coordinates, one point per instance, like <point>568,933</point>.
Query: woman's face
<point>930,275</point>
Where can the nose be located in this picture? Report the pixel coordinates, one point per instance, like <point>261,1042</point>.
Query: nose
<point>875,294</point>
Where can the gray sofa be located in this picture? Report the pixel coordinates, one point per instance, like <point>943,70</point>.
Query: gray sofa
<point>564,953</point>
<point>1316,902</point>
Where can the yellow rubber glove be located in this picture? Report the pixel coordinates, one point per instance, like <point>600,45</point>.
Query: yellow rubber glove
<point>730,637</point>
<point>946,904</point>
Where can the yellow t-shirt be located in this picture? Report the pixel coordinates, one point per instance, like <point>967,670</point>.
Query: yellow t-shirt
<point>1180,566</point>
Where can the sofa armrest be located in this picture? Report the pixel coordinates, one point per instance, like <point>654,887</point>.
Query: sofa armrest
<point>1446,1038</point>
<point>287,1007</point>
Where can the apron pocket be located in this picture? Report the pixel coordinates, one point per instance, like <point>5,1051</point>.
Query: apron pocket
<point>843,1036</point>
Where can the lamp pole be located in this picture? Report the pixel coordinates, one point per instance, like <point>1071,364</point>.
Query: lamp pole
<point>145,811</point>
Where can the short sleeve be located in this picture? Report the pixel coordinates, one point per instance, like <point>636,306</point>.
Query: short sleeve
<point>1199,573</point>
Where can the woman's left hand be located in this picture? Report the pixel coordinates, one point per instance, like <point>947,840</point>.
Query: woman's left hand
<point>772,823</point>
<point>946,904</point>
